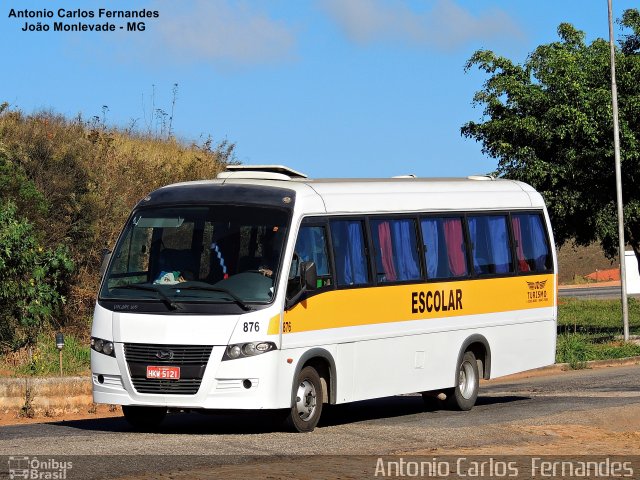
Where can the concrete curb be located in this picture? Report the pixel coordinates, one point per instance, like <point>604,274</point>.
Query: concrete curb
<point>617,362</point>
<point>51,394</point>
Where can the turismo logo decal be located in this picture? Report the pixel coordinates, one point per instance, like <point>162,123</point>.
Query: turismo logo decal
<point>537,292</point>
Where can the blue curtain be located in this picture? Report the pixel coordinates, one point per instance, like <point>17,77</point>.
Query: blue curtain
<point>539,242</point>
<point>348,246</point>
<point>535,246</point>
<point>405,251</point>
<point>478,266</point>
<point>491,253</point>
<point>311,246</point>
<point>356,253</point>
<point>500,244</point>
<point>430,241</point>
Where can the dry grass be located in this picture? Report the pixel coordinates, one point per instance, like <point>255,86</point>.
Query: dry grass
<point>90,177</point>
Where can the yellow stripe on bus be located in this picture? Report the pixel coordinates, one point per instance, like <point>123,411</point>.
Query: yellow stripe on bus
<point>399,303</point>
<point>274,325</point>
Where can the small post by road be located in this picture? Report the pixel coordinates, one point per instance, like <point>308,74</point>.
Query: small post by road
<point>616,148</point>
<point>60,345</point>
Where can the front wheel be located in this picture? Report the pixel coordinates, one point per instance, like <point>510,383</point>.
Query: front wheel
<point>464,395</point>
<point>144,418</point>
<point>307,406</point>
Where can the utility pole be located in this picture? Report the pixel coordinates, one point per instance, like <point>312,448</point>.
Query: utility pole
<point>616,148</point>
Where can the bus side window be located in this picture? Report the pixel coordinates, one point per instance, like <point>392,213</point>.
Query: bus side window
<point>347,237</point>
<point>445,250</point>
<point>490,240</point>
<point>311,246</point>
<point>532,246</point>
<point>396,249</point>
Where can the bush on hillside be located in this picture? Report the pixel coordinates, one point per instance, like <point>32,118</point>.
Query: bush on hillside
<point>34,280</point>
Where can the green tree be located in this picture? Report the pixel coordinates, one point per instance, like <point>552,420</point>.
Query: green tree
<point>33,282</point>
<point>549,123</point>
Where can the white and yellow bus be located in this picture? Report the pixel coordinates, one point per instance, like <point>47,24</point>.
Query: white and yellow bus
<point>263,289</point>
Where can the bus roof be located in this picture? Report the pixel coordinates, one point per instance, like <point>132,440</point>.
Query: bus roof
<point>372,195</point>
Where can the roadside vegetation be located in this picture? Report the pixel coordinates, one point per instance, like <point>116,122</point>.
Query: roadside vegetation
<point>42,358</point>
<point>66,188</point>
<point>592,329</point>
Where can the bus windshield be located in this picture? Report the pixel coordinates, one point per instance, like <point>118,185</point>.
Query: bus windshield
<point>185,255</point>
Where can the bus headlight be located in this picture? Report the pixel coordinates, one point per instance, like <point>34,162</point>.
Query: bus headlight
<point>250,349</point>
<point>234,351</point>
<point>102,346</point>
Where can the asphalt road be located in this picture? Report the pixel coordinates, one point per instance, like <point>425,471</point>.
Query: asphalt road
<point>592,292</point>
<point>376,427</point>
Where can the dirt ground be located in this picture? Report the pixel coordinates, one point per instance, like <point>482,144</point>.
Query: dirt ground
<point>614,431</point>
<point>579,261</point>
<point>13,417</point>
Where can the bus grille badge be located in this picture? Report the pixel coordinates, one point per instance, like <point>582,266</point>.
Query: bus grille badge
<point>164,354</point>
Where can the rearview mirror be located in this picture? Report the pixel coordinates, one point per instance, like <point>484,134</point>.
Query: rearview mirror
<point>308,281</point>
<point>308,276</point>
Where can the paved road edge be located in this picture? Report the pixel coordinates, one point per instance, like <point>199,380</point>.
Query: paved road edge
<point>565,367</point>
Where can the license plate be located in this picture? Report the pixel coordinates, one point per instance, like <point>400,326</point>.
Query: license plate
<point>163,373</point>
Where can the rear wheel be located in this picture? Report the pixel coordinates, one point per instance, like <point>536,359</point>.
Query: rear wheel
<point>464,395</point>
<point>307,406</point>
<point>144,418</point>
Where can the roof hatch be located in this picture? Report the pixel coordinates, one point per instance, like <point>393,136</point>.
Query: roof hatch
<point>481,177</point>
<point>265,172</point>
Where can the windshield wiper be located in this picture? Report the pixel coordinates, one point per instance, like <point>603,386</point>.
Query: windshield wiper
<point>210,288</point>
<point>171,305</point>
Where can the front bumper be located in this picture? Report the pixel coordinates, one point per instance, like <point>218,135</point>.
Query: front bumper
<point>223,386</point>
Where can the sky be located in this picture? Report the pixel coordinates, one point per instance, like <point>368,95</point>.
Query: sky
<point>332,88</point>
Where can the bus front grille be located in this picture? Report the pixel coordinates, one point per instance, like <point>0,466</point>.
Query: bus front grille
<point>191,359</point>
<point>183,386</point>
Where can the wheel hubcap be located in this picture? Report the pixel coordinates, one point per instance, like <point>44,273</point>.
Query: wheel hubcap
<point>466,380</point>
<point>306,399</point>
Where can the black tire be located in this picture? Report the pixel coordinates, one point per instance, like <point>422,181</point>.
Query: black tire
<point>144,418</point>
<point>463,396</point>
<point>307,401</point>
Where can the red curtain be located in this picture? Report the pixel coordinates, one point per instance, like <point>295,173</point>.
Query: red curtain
<point>386,252</point>
<point>517,232</point>
<point>455,240</point>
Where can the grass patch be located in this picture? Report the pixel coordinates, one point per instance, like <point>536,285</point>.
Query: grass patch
<point>596,318</point>
<point>590,330</point>
<point>576,349</point>
<point>44,359</point>
<point>580,280</point>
